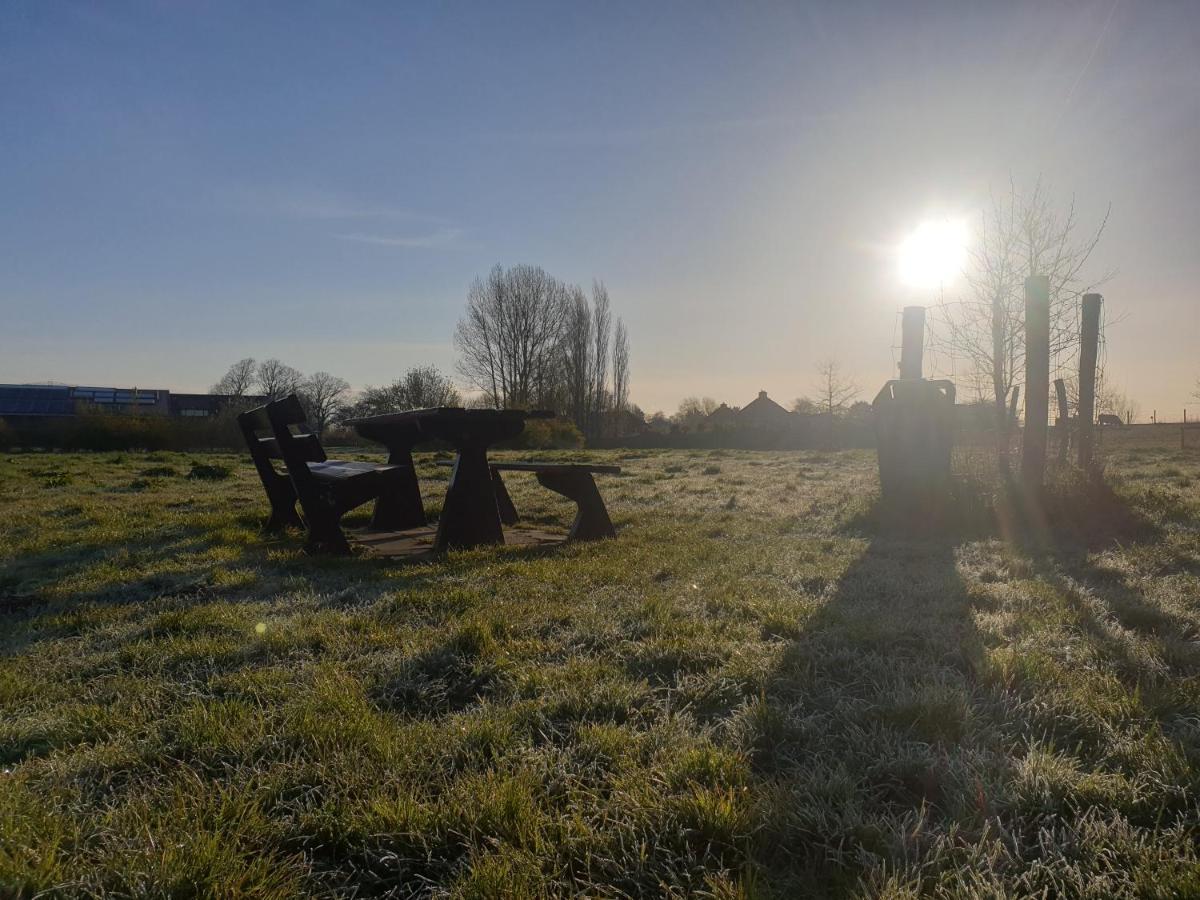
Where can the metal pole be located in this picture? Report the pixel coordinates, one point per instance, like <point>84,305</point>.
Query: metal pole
<point>1037,380</point>
<point>1090,337</point>
<point>912,345</point>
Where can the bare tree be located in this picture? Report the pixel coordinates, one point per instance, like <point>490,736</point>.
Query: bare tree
<point>421,387</point>
<point>693,411</point>
<point>620,392</point>
<point>577,357</point>
<point>509,337</point>
<point>277,379</point>
<point>424,387</point>
<point>1020,234</point>
<point>834,390</point>
<point>322,395</point>
<point>238,380</point>
<point>806,406</point>
<point>601,336</point>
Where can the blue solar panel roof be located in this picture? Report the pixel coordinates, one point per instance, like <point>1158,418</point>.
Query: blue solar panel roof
<point>18,400</point>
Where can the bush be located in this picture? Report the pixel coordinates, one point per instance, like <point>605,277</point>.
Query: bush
<point>214,472</point>
<point>547,434</point>
<point>107,432</point>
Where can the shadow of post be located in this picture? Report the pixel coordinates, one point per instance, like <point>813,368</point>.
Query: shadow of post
<point>863,725</point>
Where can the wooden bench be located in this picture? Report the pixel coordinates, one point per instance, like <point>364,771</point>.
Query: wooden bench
<point>573,481</point>
<point>260,441</point>
<point>327,489</point>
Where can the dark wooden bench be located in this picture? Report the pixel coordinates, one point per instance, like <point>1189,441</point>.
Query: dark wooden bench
<point>573,480</point>
<point>327,489</point>
<point>264,450</point>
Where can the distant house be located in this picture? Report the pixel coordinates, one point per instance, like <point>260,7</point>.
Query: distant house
<point>24,402</point>
<point>763,412</point>
<point>760,414</point>
<point>723,417</point>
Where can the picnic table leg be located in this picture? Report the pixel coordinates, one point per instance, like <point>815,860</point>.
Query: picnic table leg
<point>470,517</point>
<point>401,508</point>
<point>591,522</point>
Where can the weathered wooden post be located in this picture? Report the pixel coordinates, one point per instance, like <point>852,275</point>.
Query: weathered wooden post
<point>1037,380</point>
<point>1090,337</point>
<point>912,341</point>
<point>1064,420</point>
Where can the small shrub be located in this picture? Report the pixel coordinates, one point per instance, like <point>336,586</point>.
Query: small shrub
<point>159,472</point>
<point>711,470</point>
<point>213,472</point>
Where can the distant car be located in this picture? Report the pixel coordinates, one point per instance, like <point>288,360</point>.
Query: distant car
<point>1110,419</point>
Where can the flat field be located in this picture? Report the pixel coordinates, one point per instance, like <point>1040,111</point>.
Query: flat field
<point>758,690</point>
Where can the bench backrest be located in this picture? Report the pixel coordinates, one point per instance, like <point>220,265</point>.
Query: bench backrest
<point>260,440</point>
<point>298,445</point>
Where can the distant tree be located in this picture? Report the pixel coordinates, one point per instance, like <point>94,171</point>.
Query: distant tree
<point>509,339</point>
<point>621,368</point>
<point>276,379</point>
<point>1020,234</point>
<point>577,357</point>
<point>421,387</point>
<point>693,411</point>
<point>238,381</point>
<point>601,336</point>
<point>834,390</point>
<point>322,395</point>
<point>658,421</point>
<point>860,409</point>
<point>424,387</point>
<point>806,407</point>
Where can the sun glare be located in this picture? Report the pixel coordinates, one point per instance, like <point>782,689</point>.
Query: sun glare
<point>933,254</point>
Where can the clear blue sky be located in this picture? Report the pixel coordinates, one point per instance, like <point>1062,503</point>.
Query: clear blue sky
<point>184,184</point>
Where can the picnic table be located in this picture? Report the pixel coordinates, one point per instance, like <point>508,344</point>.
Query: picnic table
<point>470,517</point>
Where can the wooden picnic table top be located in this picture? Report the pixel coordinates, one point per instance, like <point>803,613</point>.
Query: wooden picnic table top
<point>453,424</point>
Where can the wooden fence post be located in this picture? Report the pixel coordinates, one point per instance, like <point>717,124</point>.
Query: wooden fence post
<point>1064,425</point>
<point>1090,337</point>
<point>912,342</point>
<point>1037,381</point>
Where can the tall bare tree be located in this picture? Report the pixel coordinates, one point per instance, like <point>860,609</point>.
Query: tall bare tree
<point>323,395</point>
<point>577,358</point>
<point>277,379</point>
<point>1020,234</point>
<point>620,393</point>
<point>238,380</point>
<point>834,390</point>
<point>509,337</point>
<point>601,337</point>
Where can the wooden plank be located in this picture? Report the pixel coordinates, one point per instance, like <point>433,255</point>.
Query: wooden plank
<point>1090,337</point>
<point>1037,381</point>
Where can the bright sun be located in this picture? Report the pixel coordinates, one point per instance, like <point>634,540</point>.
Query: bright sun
<point>933,254</point>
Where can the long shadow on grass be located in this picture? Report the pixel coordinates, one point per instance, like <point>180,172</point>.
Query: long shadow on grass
<point>868,705</point>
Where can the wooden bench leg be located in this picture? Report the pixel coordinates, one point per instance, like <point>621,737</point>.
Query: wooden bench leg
<point>591,522</point>
<point>282,497</point>
<point>326,536</point>
<point>504,504</point>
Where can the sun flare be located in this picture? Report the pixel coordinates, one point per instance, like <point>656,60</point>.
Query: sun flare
<point>933,254</point>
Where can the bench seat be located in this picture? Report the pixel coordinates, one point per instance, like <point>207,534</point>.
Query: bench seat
<point>573,480</point>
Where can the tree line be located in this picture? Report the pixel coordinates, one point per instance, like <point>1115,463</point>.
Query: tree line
<point>529,340</point>
<point>327,398</point>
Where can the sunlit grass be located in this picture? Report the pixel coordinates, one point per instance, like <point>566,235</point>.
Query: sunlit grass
<point>769,697</point>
